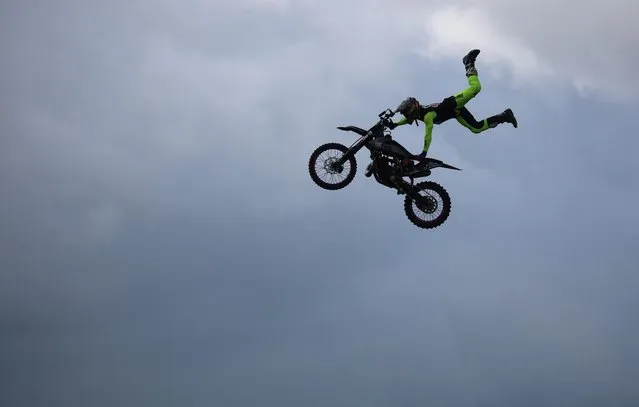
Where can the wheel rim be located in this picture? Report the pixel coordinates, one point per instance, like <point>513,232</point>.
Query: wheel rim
<point>432,208</point>
<point>324,167</point>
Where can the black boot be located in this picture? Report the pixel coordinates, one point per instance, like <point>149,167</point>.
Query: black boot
<point>507,116</point>
<point>469,62</point>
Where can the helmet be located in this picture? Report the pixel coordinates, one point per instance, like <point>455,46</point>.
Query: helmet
<point>408,107</point>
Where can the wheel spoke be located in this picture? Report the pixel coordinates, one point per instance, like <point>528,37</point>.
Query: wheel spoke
<point>324,164</point>
<point>425,215</point>
<point>322,172</point>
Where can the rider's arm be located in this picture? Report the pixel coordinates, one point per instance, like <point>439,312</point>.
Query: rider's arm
<point>403,121</point>
<point>428,133</point>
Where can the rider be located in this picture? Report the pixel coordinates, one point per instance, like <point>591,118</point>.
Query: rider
<point>451,107</point>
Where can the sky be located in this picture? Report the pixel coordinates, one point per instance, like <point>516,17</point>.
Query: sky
<point>162,242</point>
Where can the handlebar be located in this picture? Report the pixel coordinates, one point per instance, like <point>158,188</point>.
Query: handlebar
<point>386,114</point>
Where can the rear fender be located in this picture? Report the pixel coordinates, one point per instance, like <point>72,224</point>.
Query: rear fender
<point>434,163</point>
<point>424,169</point>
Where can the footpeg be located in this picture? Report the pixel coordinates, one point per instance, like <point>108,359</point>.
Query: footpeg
<point>369,170</point>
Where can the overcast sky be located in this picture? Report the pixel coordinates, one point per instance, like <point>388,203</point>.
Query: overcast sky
<point>162,242</point>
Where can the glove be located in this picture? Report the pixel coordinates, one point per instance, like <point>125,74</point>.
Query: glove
<point>391,125</point>
<point>421,156</point>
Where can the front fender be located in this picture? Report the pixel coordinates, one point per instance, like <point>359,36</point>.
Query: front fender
<point>354,129</point>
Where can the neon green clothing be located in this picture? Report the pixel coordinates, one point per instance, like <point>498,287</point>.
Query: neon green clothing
<point>454,107</point>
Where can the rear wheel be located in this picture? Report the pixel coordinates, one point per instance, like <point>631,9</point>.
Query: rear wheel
<point>327,175</point>
<point>436,209</point>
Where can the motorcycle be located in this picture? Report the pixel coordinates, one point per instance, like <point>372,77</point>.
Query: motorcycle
<point>390,164</point>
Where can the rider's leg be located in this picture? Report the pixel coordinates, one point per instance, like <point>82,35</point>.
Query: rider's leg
<point>474,86</point>
<point>462,115</point>
<point>466,119</point>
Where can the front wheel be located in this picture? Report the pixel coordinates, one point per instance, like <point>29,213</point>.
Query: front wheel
<point>321,163</point>
<point>436,209</point>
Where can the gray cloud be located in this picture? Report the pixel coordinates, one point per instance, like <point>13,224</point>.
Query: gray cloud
<point>590,44</point>
<point>163,244</point>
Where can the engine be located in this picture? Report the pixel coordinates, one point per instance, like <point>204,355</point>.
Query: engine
<point>385,166</point>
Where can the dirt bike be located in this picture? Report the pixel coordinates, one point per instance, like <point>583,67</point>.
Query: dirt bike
<point>390,164</point>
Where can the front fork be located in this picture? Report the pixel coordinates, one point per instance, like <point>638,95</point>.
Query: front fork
<point>338,164</point>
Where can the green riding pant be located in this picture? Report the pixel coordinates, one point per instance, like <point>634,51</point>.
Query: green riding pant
<point>462,114</point>
<point>454,107</point>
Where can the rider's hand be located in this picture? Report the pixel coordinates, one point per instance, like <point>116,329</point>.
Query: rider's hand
<point>391,125</point>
